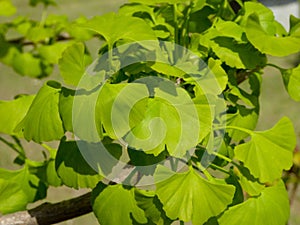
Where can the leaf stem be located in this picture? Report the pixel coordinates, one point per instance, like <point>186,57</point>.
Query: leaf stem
<point>18,142</point>
<point>275,66</point>
<point>175,24</point>
<point>50,150</point>
<point>44,16</point>
<point>225,158</point>
<point>218,168</point>
<point>13,147</point>
<point>250,132</point>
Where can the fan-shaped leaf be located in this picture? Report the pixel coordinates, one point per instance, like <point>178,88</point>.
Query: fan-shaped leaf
<point>44,111</point>
<point>269,152</point>
<point>189,197</point>
<point>116,204</point>
<point>270,208</point>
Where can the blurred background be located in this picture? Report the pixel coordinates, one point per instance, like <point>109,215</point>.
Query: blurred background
<point>275,102</point>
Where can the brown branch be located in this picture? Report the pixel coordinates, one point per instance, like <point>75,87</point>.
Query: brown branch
<point>22,41</point>
<point>48,213</point>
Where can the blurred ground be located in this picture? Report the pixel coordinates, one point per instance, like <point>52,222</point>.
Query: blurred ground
<point>275,102</point>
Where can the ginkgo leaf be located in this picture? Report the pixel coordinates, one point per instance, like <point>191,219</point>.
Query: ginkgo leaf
<point>265,15</point>
<point>28,65</point>
<point>12,113</point>
<point>44,111</point>
<point>12,197</point>
<point>73,169</point>
<point>18,188</point>
<point>230,46</point>
<point>113,27</point>
<point>52,53</point>
<point>291,80</point>
<point>73,63</point>
<point>190,197</point>
<point>270,44</point>
<point>116,204</point>
<point>269,152</point>
<point>148,201</point>
<point>153,2</point>
<point>270,208</point>
<point>243,117</point>
<point>7,8</point>
<point>170,118</point>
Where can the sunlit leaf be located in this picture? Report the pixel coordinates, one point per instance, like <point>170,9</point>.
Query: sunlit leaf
<point>190,197</point>
<point>270,208</point>
<point>114,27</point>
<point>44,111</point>
<point>291,80</point>
<point>269,152</point>
<point>116,204</point>
<point>73,63</point>
<point>20,187</point>
<point>7,8</point>
<point>269,44</point>
<point>12,113</point>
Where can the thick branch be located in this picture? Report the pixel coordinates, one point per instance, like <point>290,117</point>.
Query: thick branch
<point>48,213</point>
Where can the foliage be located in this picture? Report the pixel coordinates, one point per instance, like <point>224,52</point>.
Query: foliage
<point>233,174</point>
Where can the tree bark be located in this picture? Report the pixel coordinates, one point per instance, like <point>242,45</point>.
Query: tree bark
<point>48,213</point>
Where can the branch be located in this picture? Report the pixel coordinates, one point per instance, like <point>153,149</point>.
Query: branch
<point>22,41</point>
<point>48,213</point>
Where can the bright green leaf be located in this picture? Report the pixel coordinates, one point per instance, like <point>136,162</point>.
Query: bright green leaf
<point>243,117</point>
<point>44,111</point>
<point>73,63</point>
<point>171,113</point>
<point>12,197</point>
<point>269,44</point>
<point>291,80</point>
<point>7,8</point>
<point>116,204</point>
<point>270,208</point>
<point>28,65</point>
<point>265,15</point>
<point>12,113</point>
<point>154,2</point>
<point>37,34</point>
<point>114,27</point>
<point>19,185</point>
<point>52,53</point>
<point>269,152</point>
<point>189,197</point>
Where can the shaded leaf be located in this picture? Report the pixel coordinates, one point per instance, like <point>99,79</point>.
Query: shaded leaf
<point>72,167</point>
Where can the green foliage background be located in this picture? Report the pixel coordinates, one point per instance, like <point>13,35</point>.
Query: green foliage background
<point>274,101</point>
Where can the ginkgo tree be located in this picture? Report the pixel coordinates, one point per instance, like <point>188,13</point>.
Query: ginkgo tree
<point>160,126</point>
